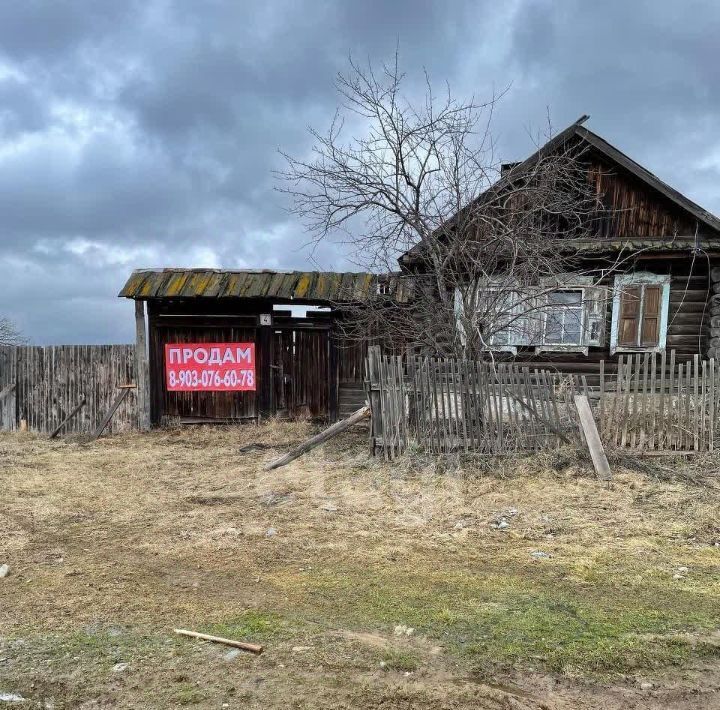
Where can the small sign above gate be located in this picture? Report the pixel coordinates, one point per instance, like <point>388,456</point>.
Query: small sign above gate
<point>209,367</point>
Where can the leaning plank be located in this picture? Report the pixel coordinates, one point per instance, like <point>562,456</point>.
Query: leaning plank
<point>589,429</point>
<point>57,429</point>
<point>320,438</point>
<point>242,645</point>
<point>113,408</point>
<point>543,419</point>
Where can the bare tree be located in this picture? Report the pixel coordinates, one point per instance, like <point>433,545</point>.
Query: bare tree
<point>484,245</point>
<point>9,334</point>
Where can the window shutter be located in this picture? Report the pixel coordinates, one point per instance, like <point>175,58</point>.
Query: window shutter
<point>629,322</point>
<point>594,316</point>
<point>650,333</point>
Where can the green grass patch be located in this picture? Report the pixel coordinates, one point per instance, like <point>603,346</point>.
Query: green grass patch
<point>542,617</point>
<point>255,625</point>
<point>396,660</point>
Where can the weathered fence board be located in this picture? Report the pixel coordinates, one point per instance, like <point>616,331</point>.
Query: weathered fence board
<point>50,381</point>
<point>443,405</point>
<point>440,405</point>
<point>654,404</point>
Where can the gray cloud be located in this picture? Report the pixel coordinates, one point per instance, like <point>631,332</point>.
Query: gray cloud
<point>146,133</point>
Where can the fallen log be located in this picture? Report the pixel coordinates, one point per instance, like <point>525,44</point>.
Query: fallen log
<point>320,438</point>
<point>242,645</point>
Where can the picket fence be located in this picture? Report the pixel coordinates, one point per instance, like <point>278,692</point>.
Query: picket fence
<point>442,405</point>
<point>655,403</point>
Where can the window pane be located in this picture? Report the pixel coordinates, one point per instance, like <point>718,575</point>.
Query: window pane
<point>553,327</point>
<point>571,298</point>
<point>572,330</point>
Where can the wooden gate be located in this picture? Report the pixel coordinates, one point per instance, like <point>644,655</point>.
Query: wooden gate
<point>205,406</point>
<point>294,366</point>
<point>301,372</point>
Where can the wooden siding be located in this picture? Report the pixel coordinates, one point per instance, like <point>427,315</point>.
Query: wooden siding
<point>296,361</point>
<point>629,208</point>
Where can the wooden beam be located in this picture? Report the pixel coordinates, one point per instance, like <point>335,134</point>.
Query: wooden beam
<point>77,408</point>
<point>592,437</point>
<point>142,376</point>
<point>320,438</point>
<point>242,645</point>
<point>113,408</point>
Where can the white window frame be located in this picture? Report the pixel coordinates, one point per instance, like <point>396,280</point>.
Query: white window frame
<point>568,282</point>
<point>563,282</point>
<point>640,278</point>
<point>560,307</point>
<point>515,312</point>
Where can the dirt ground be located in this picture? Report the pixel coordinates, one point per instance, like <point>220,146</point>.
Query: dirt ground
<point>522,583</point>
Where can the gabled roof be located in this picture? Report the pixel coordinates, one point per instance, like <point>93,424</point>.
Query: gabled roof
<point>578,131</point>
<point>602,146</point>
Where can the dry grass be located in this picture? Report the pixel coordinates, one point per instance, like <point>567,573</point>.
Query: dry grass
<point>113,544</point>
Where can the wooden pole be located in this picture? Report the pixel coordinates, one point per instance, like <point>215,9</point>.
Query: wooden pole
<point>592,437</point>
<point>77,408</point>
<point>242,645</point>
<point>374,395</point>
<point>142,374</point>
<point>320,438</point>
<point>109,415</point>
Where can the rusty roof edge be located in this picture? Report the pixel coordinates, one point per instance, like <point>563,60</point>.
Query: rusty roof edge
<point>280,285</point>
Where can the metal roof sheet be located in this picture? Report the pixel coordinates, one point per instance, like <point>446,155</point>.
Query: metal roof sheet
<point>320,286</point>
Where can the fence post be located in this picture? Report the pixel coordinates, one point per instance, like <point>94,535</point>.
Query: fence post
<point>374,399</point>
<point>142,375</point>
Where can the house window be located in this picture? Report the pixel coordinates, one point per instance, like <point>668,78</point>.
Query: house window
<point>640,310</point>
<point>564,318</point>
<point>505,318</point>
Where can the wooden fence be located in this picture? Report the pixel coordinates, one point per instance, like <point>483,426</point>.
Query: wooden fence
<point>43,385</point>
<point>443,405</point>
<point>654,403</point>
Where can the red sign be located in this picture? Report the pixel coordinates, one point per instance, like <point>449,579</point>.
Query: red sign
<point>205,367</point>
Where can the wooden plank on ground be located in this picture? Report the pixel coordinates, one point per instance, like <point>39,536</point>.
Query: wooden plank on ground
<point>592,437</point>
<point>320,438</point>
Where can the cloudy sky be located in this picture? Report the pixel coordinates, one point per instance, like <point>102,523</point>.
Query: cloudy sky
<point>138,134</point>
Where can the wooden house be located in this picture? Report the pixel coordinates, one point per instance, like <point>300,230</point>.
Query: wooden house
<point>664,295</point>
<point>664,298</point>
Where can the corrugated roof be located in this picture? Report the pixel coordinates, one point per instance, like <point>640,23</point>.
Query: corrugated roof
<point>319,286</point>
